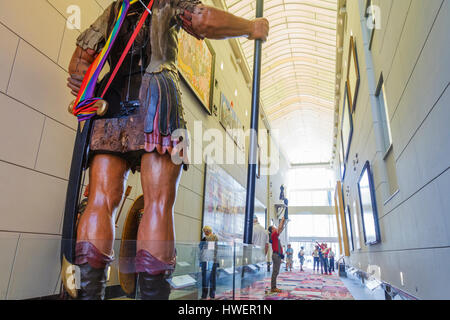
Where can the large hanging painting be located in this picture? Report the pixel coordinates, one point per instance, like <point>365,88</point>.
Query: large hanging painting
<point>224,204</point>
<point>196,64</point>
<point>355,219</point>
<point>342,164</point>
<point>230,121</point>
<point>340,218</point>
<point>338,223</point>
<point>348,223</point>
<point>353,76</point>
<point>347,127</point>
<point>368,204</point>
<point>261,213</point>
<point>371,20</point>
<point>226,113</point>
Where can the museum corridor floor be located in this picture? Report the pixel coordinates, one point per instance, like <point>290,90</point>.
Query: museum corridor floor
<point>296,285</point>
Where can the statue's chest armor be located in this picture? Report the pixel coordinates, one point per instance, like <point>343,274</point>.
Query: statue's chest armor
<point>123,93</point>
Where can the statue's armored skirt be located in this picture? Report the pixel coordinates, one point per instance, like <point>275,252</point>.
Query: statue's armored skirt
<point>149,127</point>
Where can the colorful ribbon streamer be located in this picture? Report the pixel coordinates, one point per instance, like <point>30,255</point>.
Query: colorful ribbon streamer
<point>83,105</point>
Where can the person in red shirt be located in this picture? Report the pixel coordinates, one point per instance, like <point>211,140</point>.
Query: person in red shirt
<point>277,255</point>
<point>324,261</point>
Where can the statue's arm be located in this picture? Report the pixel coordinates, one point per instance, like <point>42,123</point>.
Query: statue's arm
<point>78,66</point>
<point>281,226</point>
<point>89,44</point>
<point>209,22</point>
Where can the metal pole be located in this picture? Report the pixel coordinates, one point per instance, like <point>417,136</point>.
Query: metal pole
<point>252,159</point>
<point>234,270</point>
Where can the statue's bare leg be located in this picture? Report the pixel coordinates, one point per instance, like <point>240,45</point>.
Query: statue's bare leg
<point>156,236</point>
<point>95,234</point>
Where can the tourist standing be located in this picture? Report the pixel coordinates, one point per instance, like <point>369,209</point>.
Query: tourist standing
<point>289,257</point>
<point>208,262</point>
<point>301,258</point>
<point>331,257</point>
<point>277,255</point>
<point>316,259</point>
<point>323,255</point>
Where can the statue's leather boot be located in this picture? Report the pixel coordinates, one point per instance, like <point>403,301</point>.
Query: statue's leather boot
<point>153,275</point>
<point>93,282</point>
<point>154,287</point>
<point>93,266</point>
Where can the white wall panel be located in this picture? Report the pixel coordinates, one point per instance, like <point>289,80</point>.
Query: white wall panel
<point>9,47</point>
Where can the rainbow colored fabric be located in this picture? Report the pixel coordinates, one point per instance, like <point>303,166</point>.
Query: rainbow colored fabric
<point>83,107</point>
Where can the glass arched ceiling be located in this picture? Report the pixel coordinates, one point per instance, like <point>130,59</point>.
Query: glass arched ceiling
<point>298,73</point>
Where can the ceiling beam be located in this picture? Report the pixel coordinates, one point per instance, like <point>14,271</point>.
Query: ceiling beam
<point>311,165</point>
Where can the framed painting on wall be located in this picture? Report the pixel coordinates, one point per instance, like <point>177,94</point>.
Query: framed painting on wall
<point>223,204</point>
<point>258,164</point>
<point>338,224</point>
<point>371,21</point>
<point>196,65</point>
<point>261,213</point>
<point>231,122</point>
<point>353,76</point>
<point>368,205</point>
<point>343,166</point>
<point>347,127</point>
<point>356,223</point>
<point>348,224</point>
<point>340,216</point>
<point>226,113</point>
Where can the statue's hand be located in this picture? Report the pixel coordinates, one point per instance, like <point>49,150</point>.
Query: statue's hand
<point>74,83</point>
<point>260,29</point>
<point>79,65</point>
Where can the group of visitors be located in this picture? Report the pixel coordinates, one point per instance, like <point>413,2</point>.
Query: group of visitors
<point>290,258</point>
<point>208,249</point>
<point>323,257</point>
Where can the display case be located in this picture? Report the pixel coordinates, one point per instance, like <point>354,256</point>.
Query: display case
<point>37,270</point>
